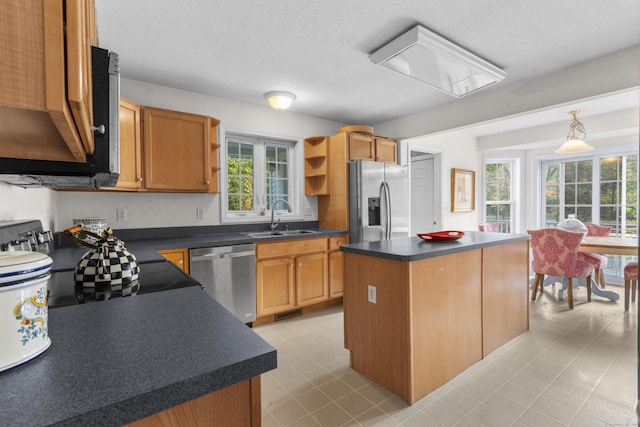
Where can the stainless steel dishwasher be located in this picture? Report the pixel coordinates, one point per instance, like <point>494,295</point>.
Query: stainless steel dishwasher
<point>228,274</point>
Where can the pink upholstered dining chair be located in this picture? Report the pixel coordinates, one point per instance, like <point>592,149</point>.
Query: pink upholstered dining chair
<point>598,230</point>
<point>555,253</point>
<point>486,226</point>
<point>630,283</point>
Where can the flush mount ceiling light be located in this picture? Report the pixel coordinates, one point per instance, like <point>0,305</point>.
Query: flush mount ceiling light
<point>431,59</point>
<point>575,138</point>
<point>279,100</point>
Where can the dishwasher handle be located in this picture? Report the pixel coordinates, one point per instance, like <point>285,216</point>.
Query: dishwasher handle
<point>223,256</point>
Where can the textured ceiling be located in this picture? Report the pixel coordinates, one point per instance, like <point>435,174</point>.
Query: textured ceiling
<point>318,49</point>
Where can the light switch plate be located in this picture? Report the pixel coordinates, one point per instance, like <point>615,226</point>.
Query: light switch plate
<point>372,294</point>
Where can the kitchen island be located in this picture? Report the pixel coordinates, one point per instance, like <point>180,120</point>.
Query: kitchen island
<point>164,356</point>
<point>417,313</point>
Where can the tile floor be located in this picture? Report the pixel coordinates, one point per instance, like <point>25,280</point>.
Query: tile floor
<point>572,368</point>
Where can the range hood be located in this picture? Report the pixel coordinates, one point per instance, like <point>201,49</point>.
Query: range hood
<point>102,167</point>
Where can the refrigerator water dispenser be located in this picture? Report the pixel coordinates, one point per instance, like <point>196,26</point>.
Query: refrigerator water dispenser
<point>374,211</point>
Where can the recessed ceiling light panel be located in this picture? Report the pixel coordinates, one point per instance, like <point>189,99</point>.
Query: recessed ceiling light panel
<point>435,61</point>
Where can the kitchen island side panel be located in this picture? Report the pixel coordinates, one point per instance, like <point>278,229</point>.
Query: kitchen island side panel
<point>505,297</point>
<point>377,333</point>
<point>446,318</point>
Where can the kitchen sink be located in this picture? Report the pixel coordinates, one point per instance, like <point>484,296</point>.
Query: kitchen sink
<point>263,234</point>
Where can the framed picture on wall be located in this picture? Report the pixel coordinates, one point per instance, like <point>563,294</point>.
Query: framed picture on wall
<point>463,185</point>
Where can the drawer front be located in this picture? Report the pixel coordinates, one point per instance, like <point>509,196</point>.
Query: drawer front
<point>336,241</point>
<point>291,247</point>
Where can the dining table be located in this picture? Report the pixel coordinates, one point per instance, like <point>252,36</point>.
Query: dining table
<point>609,245</point>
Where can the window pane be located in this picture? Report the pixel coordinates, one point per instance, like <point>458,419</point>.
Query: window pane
<point>239,176</point>
<point>270,154</point>
<point>583,196</point>
<point>552,216</point>
<point>585,171</point>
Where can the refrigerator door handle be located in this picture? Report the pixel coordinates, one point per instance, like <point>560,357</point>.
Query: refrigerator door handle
<point>387,209</point>
<point>383,209</point>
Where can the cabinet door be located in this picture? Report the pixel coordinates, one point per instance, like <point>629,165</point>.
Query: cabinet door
<point>386,150</point>
<point>179,257</point>
<point>176,151</point>
<point>311,279</point>
<point>79,82</point>
<point>36,121</point>
<point>361,147</point>
<point>130,146</point>
<point>336,274</point>
<point>274,285</point>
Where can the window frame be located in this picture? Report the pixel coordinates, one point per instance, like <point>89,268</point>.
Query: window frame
<point>261,212</point>
<point>516,191</point>
<point>594,156</point>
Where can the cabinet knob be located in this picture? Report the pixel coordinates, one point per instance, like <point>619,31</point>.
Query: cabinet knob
<point>207,182</point>
<point>291,265</point>
<point>300,264</point>
<point>140,179</point>
<point>180,261</point>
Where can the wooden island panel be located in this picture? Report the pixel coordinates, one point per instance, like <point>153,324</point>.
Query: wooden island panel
<point>446,318</point>
<point>379,333</point>
<point>425,327</point>
<point>505,305</point>
<point>433,317</point>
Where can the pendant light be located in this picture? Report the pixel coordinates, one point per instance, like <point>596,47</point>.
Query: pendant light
<point>575,138</point>
<point>279,100</point>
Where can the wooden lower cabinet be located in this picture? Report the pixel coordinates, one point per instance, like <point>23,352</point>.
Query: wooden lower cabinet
<point>179,257</point>
<point>294,273</point>
<point>336,265</point>
<point>274,285</point>
<point>237,405</point>
<point>312,283</point>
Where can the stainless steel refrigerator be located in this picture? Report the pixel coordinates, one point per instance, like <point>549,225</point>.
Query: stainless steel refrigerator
<point>378,201</point>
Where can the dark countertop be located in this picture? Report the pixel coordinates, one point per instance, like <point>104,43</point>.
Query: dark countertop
<point>145,243</point>
<point>113,362</point>
<point>414,248</point>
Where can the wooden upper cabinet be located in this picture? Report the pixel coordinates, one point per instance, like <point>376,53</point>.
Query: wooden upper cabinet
<point>385,150</point>
<point>45,84</point>
<point>374,148</point>
<point>79,80</point>
<point>176,150</point>
<point>130,146</point>
<point>361,147</point>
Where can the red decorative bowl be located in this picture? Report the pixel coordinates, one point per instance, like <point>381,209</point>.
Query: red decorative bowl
<point>441,236</point>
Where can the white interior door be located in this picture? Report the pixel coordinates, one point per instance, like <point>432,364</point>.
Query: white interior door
<point>424,203</point>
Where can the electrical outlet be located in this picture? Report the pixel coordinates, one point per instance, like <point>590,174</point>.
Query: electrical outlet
<point>307,211</point>
<point>121,215</point>
<point>199,213</point>
<point>372,294</point>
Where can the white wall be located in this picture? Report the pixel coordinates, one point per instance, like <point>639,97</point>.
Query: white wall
<point>18,203</point>
<point>459,151</point>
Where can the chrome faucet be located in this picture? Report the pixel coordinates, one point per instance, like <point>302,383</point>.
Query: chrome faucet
<point>274,224</point>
